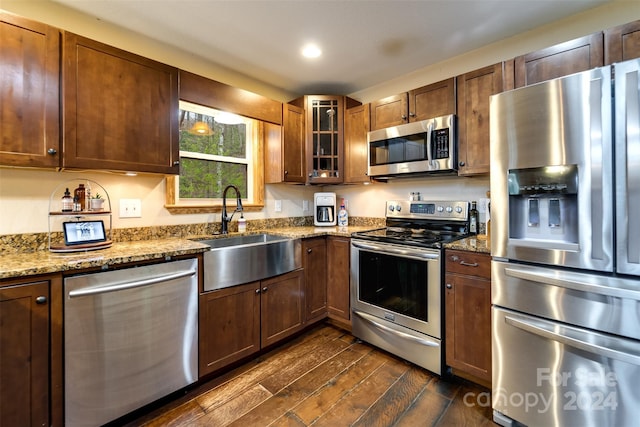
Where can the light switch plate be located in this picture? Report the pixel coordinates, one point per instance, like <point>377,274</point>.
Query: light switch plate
<point>130,208</point>
<point>278,206</point>
<point>305,205</point>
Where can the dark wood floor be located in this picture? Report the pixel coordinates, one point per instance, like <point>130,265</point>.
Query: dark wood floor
<point>326,378</point>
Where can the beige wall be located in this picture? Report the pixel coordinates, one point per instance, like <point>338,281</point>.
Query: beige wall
<point>25,193</point>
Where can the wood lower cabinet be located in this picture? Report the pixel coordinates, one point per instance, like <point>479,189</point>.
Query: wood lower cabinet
<point>236,322</point>
<point>622,43</point>
<point>314,261</point>
<point>120,109</point>
<point>229,326</point>
<point>566,58</point>
<point>30,353</point>
<point>338,291</point>
<point>29,93</point>
<point>356,127</point>
<point>282,306</point>
<point>474,90</point>
<point>433,100</point>
<point>468,314</point>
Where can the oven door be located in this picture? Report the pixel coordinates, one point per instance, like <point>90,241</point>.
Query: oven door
<point>397,283</point>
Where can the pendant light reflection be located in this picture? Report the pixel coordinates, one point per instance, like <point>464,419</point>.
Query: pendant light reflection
<point>200,128</point>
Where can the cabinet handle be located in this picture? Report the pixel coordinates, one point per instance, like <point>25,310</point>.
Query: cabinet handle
<point>309,250</point>
<point>52,151</point>
<point>404,117</point>
<point>41,300</point>
<point>468,264</point>
<point>176,163</point>
<point>449,286</point>
<point>265,289</point>
<point>258,291</point>
<point>412,114</point>
<point>461,164</point>
<point>286,172</point>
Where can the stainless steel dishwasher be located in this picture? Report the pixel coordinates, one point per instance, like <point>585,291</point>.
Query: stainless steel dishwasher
<point>130,338</point>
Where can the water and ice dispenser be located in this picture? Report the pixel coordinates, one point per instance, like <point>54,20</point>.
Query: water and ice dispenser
<point>543,205</point>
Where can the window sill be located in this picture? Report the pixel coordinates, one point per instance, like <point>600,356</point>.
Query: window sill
<point>198,209</point>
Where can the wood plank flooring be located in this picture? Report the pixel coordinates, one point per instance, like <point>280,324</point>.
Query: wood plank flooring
<point>326,377</point>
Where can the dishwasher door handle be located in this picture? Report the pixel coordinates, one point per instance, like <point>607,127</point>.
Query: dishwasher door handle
<point>113,287</point>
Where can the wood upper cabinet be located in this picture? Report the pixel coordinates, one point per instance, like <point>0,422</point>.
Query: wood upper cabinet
<point>229,326</point>
<point>356,127</point>
<point>282,309</point>
<point>120,109</point>
<point>622,43</point>
<point>434,100</point>
<point>338,291</point>
<point>294,162</point>
<point>570,57</point>
<point>468,313</point>
<point>25,398</point>
<point>314,262</point>
<point>474,90</point>
<point>322,147</point>
<point>29,93</point>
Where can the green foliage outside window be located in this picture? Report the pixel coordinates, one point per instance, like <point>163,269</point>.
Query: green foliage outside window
<point>212,159</point>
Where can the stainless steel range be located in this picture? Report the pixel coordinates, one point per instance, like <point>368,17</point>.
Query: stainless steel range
<point>396,279</point>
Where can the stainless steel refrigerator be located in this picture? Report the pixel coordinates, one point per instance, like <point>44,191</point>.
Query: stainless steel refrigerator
<point>565,245</point>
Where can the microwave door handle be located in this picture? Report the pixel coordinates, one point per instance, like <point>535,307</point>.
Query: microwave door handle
<point>429,154</point>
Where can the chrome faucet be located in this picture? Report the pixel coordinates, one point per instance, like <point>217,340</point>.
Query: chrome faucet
<point>225,218</point>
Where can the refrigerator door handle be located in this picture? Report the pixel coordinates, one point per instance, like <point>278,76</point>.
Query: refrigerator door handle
<point>598,184</point>
<point>548,330</point>
<point>631,125</point>
<point>552,278</point>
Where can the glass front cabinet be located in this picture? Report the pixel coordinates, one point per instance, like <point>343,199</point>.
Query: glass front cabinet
<point>324,136</point>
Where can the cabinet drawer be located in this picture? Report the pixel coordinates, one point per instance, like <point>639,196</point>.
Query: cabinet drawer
<point>469,263</point>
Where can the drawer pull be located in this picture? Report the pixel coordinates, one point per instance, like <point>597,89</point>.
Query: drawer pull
<point>469,264</point>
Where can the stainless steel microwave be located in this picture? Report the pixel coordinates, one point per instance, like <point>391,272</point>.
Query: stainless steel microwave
<point>427,146</point>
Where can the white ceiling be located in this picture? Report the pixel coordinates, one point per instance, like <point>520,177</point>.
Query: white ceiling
<point>364,42</point>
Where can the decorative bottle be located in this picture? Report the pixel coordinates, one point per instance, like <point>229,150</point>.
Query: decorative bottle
<point>343,216</point>
<point>473,218</point>
<point>79,193</point>
<point>67,201</point>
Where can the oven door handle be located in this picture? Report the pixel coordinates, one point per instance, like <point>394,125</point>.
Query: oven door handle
<point>396,251</point>
<point>371,319</point>
<point>552,332</point>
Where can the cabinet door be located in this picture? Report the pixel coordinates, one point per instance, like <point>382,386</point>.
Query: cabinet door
<point>389,111</point>
<point>24,355</point>
<point>338,263</point>
<point>622,43</point>
<point>468,324</point>
<point>229,326</point>
<point>314,262</point>
<point>325,139</point>
<point>293,144</point>
<point>434,100</point>
<point>560,60</point>
<point>120,109</point>
<point>474,89</point>
<point>29,93</point>
<point>356,126</point>
<point>282,306</point>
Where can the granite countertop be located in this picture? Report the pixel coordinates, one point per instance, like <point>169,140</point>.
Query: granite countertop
<point>44,262</point>
<point>471,244</point>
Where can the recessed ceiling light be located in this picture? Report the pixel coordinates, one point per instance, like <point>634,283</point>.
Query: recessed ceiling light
<point>311,51</point>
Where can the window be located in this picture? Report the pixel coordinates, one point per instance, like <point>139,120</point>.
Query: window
<point>217,149</point>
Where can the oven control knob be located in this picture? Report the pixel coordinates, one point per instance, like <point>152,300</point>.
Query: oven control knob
<point>391,208</point>
<point>398,208</point>
<point>440,208</point>
<point>449,209</point>
<point>458,209</point>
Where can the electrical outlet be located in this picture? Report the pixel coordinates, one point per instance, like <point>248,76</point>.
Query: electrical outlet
<point>278,206</point>
<point>482,205</point>
<point>305,205</point>
<point>130,208</point>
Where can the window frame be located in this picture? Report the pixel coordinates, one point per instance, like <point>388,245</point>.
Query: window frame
<point>251,202</point>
